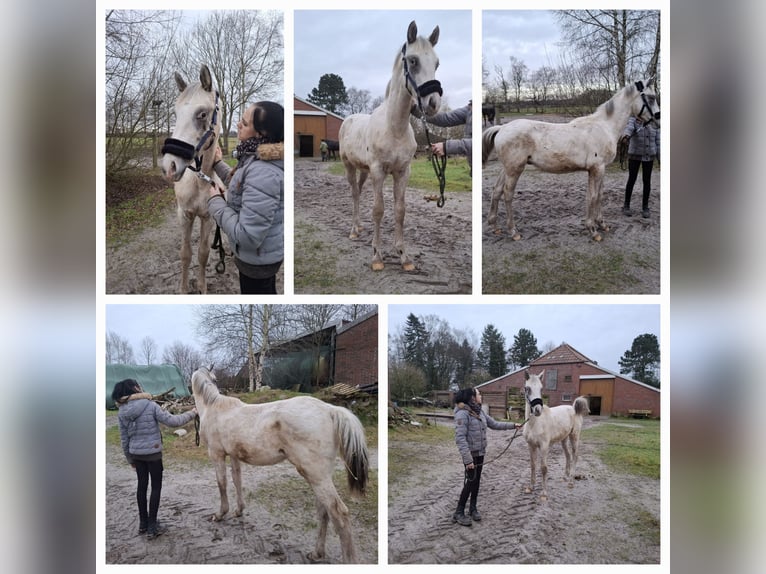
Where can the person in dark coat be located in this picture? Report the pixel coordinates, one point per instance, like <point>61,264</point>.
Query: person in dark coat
<point>643,147</point>
<point>471,424</point>
<point>139,419</point>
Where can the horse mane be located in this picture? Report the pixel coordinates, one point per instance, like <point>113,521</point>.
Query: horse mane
<point>206,388</point>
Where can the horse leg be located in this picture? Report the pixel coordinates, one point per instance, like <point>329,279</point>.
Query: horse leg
<point>236,476</point>
<point>599,203</point>
<point>568,456</point>
<point>377,217</point>
<point>219,462</point>
<point>203,251</point>
<point>328,499</point>
<point>593,209</point>
<point>532,462</point>
<point>355,193</point>
<point>574,440</point>
<point>509,190</point>
<point>497,191</point>
<point>324,520</point>
<point>187,222</point>
<point>400,187</point>
<point>544,471</point>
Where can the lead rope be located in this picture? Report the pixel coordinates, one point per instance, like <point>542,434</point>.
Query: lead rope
<point>469,473</point>
<point>196,430</point>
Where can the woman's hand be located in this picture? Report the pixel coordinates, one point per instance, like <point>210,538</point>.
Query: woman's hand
<point>438,149</point>
<point>218,156</point>
<point>470,466</point>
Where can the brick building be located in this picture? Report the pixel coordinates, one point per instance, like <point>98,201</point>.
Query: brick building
<point>569,374</point>
<point>356,351</point>
<point>311,125</point>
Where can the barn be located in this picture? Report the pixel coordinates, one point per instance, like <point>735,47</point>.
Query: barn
<point>569,374</point>
<point>312,124</point>
<point>154,379</point>
<point>345,352</point>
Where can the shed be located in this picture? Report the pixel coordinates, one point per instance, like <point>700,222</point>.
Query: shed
<point>569,374</point>
<point>154,379</point>
<point>311,125</point>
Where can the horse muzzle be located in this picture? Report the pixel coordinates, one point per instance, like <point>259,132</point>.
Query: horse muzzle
<point>177,155</point>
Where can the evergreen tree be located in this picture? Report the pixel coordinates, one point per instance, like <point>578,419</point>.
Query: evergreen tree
<point>492,352</point>
<point>524,349</point>
<point>415,341</point>
<point>642,361</point>
<point>465,356</point>
<point>330,94</point>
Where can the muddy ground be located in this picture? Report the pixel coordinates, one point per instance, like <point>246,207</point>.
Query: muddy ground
<point>607,518</point>
<point>327,261</point>
<point>278,525</point>
<point>150,262</point>
<point>556,254</point>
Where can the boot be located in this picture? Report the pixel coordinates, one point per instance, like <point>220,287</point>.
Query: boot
<point>626,210</point>
<point>475,514</point>
<point>460,517</point>
<point>645,213</point>
<point>154,530</point>
<point>142,524</point>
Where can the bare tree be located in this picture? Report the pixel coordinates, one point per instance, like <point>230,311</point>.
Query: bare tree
<point>542,81</point>
<point>354,311</point>
<point>118,350</point>
<point>620,44</point>
<point>185,357</point>
<point>359,102</point>
<point>244,51</point>
<point>502,83</point>
<point>135,68</point>
<point>518,77</point>
<point>148,350</point>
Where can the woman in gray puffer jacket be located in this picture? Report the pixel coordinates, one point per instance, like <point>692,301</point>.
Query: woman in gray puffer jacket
<point>643,146</point>
<point>139,419</point>
<point>252,215</point>
<point>471,424</point>
<point>457,117</point>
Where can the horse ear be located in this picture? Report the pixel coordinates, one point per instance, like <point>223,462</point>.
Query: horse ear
<point>412,32</point>
<point>434,37</point>
<point>180,82</point>
<point>205,78</point>
<point>542,373</point>
<point>526,374</point>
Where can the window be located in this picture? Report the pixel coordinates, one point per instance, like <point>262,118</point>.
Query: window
<point>550,379</point>
<point>566,398</point>
<point>567,378</point>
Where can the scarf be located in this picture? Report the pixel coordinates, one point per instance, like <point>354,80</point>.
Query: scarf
<point>134,397</point>
<point>475,407</point>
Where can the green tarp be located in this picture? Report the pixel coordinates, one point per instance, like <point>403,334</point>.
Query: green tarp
<point>154,379</point>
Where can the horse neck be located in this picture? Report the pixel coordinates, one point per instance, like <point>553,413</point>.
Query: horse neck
<point>621,111</point>
<point>398,102</point>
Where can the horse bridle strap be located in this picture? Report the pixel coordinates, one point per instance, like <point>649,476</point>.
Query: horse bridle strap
<point>534,402</point>
<point>186,150</point>
<point>424,89</point>
<point>645,106</point>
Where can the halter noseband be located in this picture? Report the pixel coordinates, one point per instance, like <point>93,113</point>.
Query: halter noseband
<point>535,402</point>
<point>645,106</point>
<point>186,150</point>
<point>424,89</point>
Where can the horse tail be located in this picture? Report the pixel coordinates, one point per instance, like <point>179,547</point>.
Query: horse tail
<point>581,406</point>
<point>353,449</point>
<point>488,142</point>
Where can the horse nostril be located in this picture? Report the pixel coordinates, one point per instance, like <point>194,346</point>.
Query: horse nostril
<point>657,116</point>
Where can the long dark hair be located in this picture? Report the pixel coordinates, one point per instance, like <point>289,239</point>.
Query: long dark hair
<point>125,388</point>
<point>465,395</point>
<point>269,119</point>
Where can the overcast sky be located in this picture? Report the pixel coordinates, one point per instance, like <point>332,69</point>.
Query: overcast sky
<point>529,35</point>
<point>600,332</point>
<point>164,323</point>
<point>360,47</point>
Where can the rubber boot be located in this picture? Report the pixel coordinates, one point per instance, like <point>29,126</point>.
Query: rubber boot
<point>626,210</point>
<point>460,517</point>
<point>475,514</point>
<point>154,530</point>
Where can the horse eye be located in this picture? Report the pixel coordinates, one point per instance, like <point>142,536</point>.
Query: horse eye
<point>413,62</point>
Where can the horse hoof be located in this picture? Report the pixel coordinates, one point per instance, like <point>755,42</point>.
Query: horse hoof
<point>377,266</point>
<point>528,490</point>
<point>597,237</point>
<point>543,498</point>
<point>409,266</point>
<point>516,236</point>
<point>353,236</point>
<point>498,232</point>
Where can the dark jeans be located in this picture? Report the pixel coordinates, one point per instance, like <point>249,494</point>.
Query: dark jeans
<point>145,470</point>
<point>250,286</point>
<point>646,176</point>
<point>471,484</point>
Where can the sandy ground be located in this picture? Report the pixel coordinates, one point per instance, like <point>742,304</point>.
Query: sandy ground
<point>550,215</point>
<point>281,530</point>
<point>602,520</point>
<point>327,261</point>
<point>150,263</point>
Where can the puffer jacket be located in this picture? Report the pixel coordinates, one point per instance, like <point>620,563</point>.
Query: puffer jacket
<point>471,431</point>
<point>644,141</point>
<point>253,214</point>
<point>139,432</point>
<point>460,116</point>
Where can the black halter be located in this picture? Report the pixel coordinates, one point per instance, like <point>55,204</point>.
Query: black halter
<point>186,150</point>
<point>645,106</point>
<point>534,402</point>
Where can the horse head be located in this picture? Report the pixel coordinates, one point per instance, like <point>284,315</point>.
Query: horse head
<point>197,127</point>
<point>533,391</point>
<point>420,62</point>
<point>646,108</point>
<point>203,383</point>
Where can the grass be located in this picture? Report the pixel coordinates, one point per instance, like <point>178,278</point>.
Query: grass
<point>422,174</point>
<point>546,271</point>
<point>316,262</point>
<point>632,446</point>
<point>423,437</point>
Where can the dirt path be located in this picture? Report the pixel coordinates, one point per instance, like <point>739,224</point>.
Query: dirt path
<point>150,263</point>
<point>606,518</point>
<point>277,527</point>
<point>327,261</point>
<point>556,254</point>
